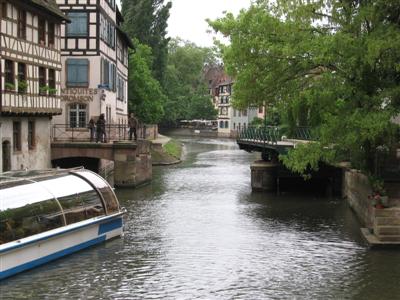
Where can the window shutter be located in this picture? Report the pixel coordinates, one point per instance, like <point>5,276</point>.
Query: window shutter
<point>114,77</point>
<point>77,72</point>
<point>102,71</point>
<point>82,74</point>
<point>106,72</point>
<point>78,25</point>
<point>110,81</point>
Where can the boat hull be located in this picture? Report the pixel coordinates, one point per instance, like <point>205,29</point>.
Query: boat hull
<point>37,250</point>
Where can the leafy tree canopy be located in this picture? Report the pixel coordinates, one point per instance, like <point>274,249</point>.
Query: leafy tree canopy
<point>334,62</point>
<point>145,94</point>
<point>185,86</point>
<point>147,21</point>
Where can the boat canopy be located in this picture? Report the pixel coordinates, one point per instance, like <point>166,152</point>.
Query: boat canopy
<point>32,202</point>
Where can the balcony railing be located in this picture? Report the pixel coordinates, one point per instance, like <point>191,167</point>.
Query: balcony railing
<point>13,102</point>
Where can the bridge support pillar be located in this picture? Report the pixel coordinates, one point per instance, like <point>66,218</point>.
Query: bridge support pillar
<point>263,176</point>
<point>133,167</point>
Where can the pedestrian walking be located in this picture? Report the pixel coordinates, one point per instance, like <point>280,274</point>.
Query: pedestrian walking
<point>92,129</point>
<point>132,123</point>
<point>101,129</point>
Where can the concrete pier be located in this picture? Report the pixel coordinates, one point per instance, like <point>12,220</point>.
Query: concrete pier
<point>263,176</point>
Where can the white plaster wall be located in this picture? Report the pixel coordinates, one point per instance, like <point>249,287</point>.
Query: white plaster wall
<point>1,151</point>
<point>98,106</point>
<point>37,158</point>
<point>109,11</point>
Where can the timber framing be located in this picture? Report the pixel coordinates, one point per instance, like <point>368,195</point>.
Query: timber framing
<point>26,53</point>
<point>99,40</point>
<point>86,45</point>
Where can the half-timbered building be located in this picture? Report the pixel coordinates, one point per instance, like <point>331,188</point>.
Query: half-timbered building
<point>231,120</point>
<point>94,53</point>
<point>30,63</point>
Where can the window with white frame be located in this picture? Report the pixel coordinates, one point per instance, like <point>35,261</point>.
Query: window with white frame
<point>77,115</point>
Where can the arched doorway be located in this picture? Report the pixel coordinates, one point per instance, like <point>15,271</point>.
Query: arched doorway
<point>6,155</point>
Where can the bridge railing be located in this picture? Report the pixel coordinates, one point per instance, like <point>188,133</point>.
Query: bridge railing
<point>65,132</point>
<point>272,134</point>
<point>266,134</point>
<point>114,132</point>
<point>303,133</point>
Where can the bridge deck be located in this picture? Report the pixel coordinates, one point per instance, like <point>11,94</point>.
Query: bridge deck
<point>281,147</point>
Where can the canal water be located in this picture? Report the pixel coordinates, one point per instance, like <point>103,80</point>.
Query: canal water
<point>198,232</point>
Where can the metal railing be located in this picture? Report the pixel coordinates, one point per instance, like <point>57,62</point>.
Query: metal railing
<point>267,134</point>
<point>303,133</point>
<point>114,132</point>
<point>272,134</point>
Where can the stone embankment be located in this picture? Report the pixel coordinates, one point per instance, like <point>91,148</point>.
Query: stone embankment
<point>382,225</point>
<point>207,133</point>
<point>162,155</point>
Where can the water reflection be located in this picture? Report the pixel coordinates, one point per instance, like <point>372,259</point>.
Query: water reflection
<point>197,232</point>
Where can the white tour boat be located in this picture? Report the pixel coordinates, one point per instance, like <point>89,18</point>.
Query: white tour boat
<point>45,215</point>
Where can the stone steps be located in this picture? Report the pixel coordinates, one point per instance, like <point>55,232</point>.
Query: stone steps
<point>389,238</point>
<point>386,221</point>
<point>387,224</point>
<point>393,212</point>
<point>381,231</point>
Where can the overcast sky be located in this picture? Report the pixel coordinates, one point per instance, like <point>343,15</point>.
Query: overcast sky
<point>187,19</point>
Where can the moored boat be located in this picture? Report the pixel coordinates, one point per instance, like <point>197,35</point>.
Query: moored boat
<point>45,215</point>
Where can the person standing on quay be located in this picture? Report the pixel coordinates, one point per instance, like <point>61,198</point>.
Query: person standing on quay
<point>132,123</point>
<point>101,129</point>
<point>92,128</point>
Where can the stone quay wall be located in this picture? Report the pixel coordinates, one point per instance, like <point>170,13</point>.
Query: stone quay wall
<point>356,189</point>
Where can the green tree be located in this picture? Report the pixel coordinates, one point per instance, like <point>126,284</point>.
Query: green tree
<point>145,94</point>
<point>185,86</point>
<point>147,21</point>
<point>334,62</point>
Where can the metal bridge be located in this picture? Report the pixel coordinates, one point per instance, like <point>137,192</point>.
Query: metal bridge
<point>270,141</point>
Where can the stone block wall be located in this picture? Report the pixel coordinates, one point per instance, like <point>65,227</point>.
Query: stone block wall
<point>356,189</point>
<point>132,167</point>
<point>151,132</point>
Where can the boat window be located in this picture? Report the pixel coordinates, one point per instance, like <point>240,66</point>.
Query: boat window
<point>81,206</point>
<point>20,193</point>
<point>77,197</point>
<point>30,219</point>
<point>104,188</point>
